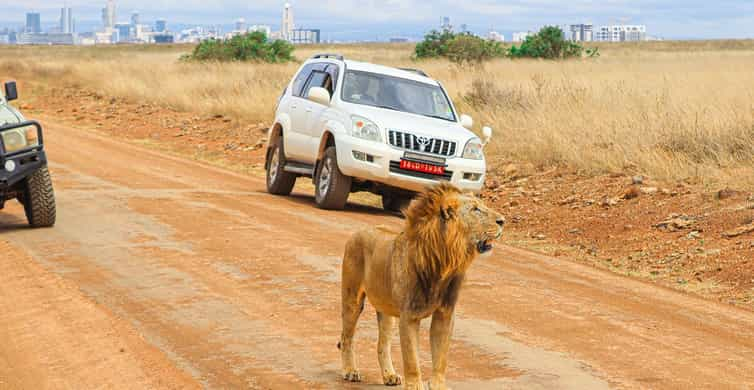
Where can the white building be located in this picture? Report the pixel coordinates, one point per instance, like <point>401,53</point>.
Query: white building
<point>495,36</point>
<point>581,32</point>
<point>46,39</point>
<point>287,26</point>
<point>521,36</point>
<point>621,33</point>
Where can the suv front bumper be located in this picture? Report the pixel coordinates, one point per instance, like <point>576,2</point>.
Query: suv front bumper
<point>25,162</point>
<point>383,167</point>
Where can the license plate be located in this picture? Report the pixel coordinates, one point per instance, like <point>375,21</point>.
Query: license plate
<point>422,167</point>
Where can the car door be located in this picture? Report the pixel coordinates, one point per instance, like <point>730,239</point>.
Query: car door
<point>314,111</point>
<point>296,139</point>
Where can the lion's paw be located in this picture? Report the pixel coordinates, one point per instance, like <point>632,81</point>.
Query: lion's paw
<point>392,379</point>
<point>352,376</point>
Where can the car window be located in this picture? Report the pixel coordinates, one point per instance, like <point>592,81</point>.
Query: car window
<point>7,116</point>
<point>300,81</point>
<point>319,79</point>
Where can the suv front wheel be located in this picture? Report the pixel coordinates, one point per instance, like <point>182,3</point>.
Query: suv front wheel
<point>279,182</point>
<point>332,186</point>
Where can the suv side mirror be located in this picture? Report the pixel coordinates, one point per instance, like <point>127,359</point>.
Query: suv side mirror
<point>487,134</point>
<point>319,95</point>
<point>467,122</point>
<point>11,93</point>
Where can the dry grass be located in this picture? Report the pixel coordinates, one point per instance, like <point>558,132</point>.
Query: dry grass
<point>672,110</point>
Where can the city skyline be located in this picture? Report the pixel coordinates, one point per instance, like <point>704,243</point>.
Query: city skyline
<point>669,19</point>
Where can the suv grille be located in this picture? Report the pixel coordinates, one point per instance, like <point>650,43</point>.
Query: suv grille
<point>410,141</point>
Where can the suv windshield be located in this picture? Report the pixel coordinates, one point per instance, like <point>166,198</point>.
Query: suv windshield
<point>396,93</point>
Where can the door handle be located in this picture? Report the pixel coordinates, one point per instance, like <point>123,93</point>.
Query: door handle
<point>293,106</point>
<point>308,110</point>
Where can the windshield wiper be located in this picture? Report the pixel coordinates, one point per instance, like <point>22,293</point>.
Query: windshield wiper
<point>445,118</point>
<point>387,107</point>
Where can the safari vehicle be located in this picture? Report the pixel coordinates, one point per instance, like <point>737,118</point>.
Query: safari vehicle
<point>23,164</point>
<point>354,126</point>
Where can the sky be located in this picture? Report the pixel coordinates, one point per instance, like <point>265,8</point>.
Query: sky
<point>372,19</point>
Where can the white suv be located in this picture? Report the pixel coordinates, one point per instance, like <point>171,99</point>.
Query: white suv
<point>354,126</point>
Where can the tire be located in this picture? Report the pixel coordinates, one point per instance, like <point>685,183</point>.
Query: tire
<point>39,199</point>
<point>332,186</point>
<point>279,182</point>
<point>394,202</point>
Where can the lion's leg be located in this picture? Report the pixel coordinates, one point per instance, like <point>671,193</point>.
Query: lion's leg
<point>439,334</point>
<point>353,305</point>
<point>409,328</point>
<point>386,324</point>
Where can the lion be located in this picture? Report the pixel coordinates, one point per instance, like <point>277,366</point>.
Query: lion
<point>413,274</point>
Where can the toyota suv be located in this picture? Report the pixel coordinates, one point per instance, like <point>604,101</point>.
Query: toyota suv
<point>354,126</point>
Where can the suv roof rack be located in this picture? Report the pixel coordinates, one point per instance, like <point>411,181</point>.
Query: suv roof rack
<point>417,71</point>
<point>329,55</point>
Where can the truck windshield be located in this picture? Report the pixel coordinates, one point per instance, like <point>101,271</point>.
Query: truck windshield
<point>7,116</point>
<point>395,93</point>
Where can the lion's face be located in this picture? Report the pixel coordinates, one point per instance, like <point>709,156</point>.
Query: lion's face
<point>482,224</point>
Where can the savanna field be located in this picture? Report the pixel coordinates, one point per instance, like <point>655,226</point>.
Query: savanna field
<point>640,161</point>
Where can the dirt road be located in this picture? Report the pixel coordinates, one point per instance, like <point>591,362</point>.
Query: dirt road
<point>163,272</point>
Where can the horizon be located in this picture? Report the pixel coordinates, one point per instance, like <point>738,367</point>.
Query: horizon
<point>340,20</point>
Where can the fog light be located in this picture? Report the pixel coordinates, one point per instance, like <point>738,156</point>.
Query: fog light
<point>361,156</point>
<point>10,165</point>
<point>472,176</point>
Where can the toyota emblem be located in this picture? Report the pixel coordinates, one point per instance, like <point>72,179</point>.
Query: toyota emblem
<point>422,141</point>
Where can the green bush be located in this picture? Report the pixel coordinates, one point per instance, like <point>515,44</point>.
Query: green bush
<point>459,48</point>
<point>549,44</point>
<point>252,46</point>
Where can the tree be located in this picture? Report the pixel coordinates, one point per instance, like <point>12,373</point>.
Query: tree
<point>460,48</point>
<point>252,46</point>
<point>549,44</point>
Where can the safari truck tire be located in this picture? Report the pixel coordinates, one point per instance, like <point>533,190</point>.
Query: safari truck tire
<point>331,187</point>
<point>279,182</point>
<point>39,199</point>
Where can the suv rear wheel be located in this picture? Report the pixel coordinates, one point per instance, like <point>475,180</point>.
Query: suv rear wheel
<point>332,186</point>
<point>39,199</point>
<point>279,182</point>
<point>395,202</point>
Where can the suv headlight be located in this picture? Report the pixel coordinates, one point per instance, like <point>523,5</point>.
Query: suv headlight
<point>474,149</point>
<point>365,129</point>
<point>18,139</point>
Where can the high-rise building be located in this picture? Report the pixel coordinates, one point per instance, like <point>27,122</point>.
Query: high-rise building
<point>241,25</point>
<point>581,32</point>
<point>33,23</point>
<point>287,26</point>
<point>124,31</point>
<point>66,20</point>
<point>135,18</point>
<point>108,15</point>
<point>445,24</point>
<point>160,25</point>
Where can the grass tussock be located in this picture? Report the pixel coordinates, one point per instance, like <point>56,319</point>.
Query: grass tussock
<point>672,110</point>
